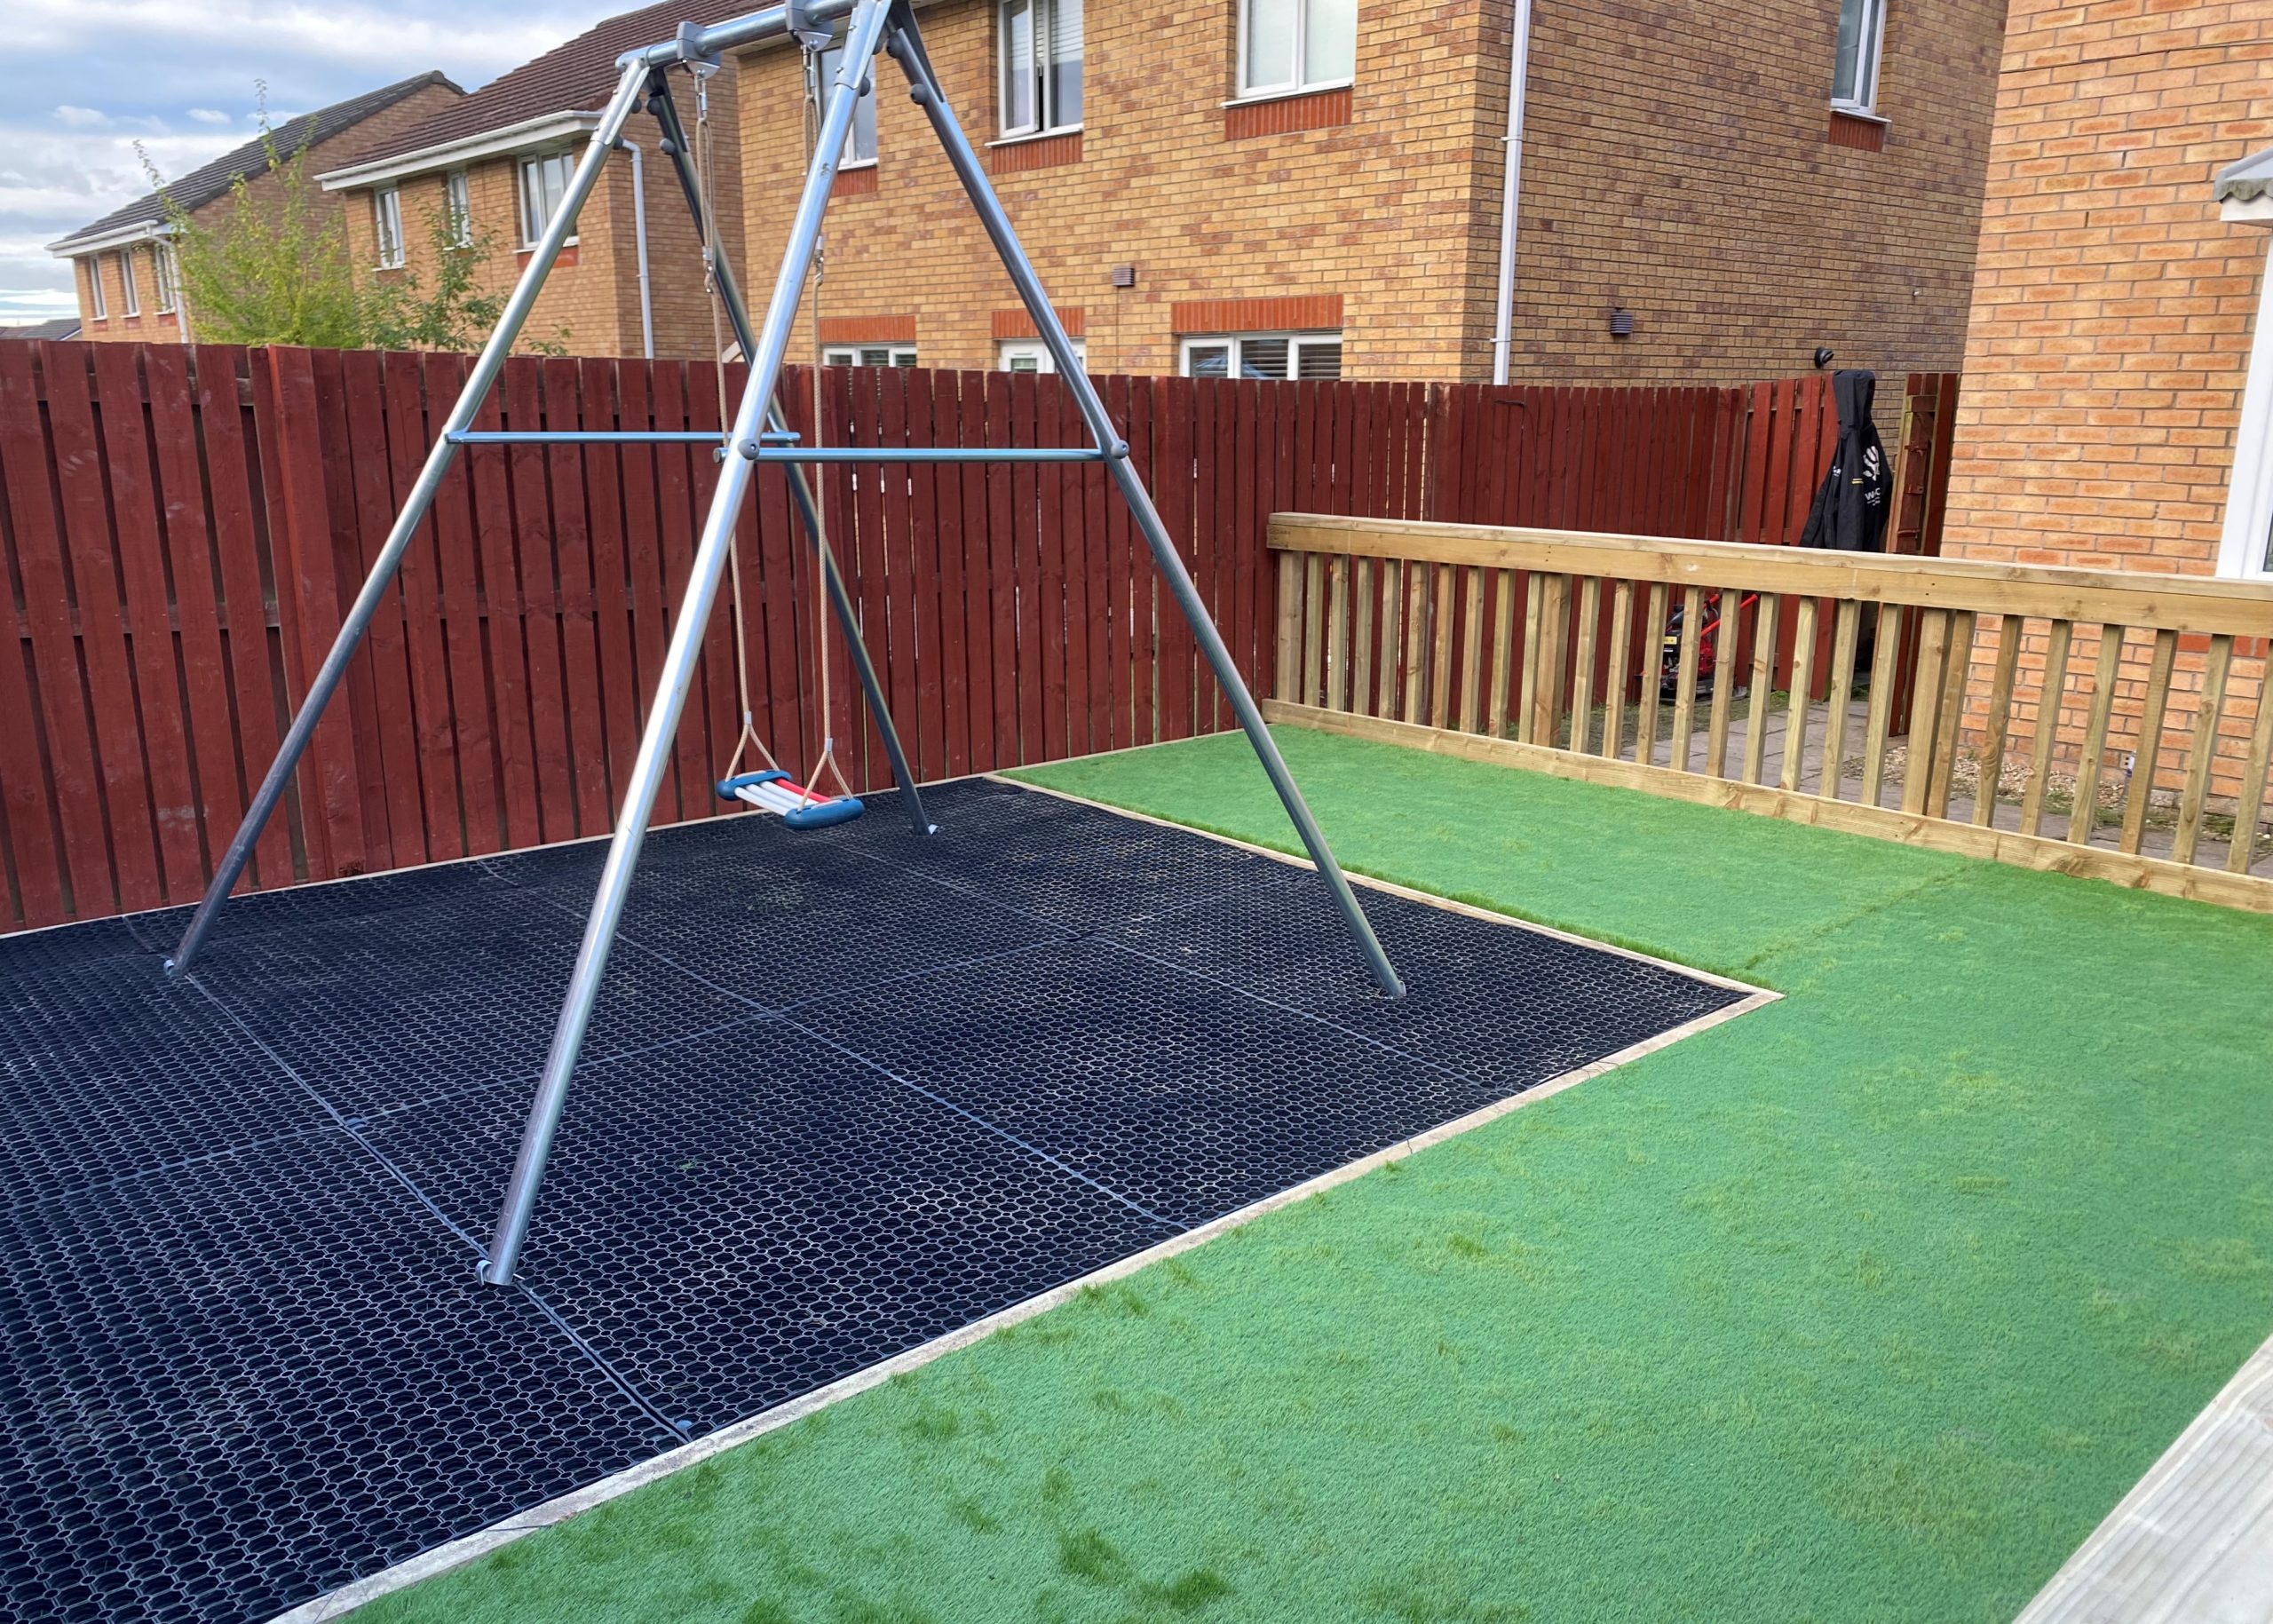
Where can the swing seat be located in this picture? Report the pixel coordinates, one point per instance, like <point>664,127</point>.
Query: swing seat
<point>778,793</point>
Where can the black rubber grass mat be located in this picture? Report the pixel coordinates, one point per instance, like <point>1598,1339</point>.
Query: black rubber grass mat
<point>742,1218</point>
<point>1182,1094</point>
<point>108,1070</point>
<point>230,1387</point>
<point>846,1092</point>
<point>410,1004</point>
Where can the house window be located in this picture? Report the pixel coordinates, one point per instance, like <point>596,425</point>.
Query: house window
<point>130,300</point>
<point>1854,74</point>
<point>97,302</point>
<point>1287,45</point>
<point>457,200</point>
<point>167,275</point>
<point>1272,355</point>
<point>1032,355</point>
<point>544,186</point>
<point>386,226</point>
<point>1042,66</point>
<point>869,355</point>
<point>2246,550</point>
<point>861,145</point>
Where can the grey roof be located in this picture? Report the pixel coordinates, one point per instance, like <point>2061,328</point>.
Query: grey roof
<point>62,326</point>
<point>202,185</point>
<point>2247,180</point>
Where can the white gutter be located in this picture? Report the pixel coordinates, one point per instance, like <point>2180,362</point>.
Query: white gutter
<point>449,155</point>
<point>117,236</point>
<point>640,240</point>
<point>1511,188</point>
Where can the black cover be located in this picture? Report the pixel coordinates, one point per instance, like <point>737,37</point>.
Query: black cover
<point>1857,494</point>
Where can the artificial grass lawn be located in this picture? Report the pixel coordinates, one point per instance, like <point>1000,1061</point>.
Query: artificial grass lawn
<point>1866,1305</point>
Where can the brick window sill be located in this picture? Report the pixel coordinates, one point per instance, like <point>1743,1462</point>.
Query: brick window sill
<point>1018,153</point>
<point>568,255</point>
<point>854,180</point>
<point>1861,131</point>
<point>1282,115</point>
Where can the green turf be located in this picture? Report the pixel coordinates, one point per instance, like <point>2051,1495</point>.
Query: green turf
<point>1866,1305</point>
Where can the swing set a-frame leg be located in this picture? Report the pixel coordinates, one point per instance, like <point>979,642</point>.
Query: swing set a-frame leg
<point>730,294</point>
<point>863,35</point>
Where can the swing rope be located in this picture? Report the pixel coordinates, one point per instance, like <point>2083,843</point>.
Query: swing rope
<point>749,738</point>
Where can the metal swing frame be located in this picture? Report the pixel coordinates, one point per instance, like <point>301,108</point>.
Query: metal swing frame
<point>756,435</point>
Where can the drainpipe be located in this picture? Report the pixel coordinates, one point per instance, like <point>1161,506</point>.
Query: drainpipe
<point>640,243</point>
<point>1511,187</point>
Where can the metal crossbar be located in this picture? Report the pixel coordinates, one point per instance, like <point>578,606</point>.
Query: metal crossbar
<point>758,435</point>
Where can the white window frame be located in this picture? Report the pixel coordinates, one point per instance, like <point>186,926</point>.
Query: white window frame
<point>458,205</point>
<point>1295,343</point>
<point>98,301</point>
<point>1046,120</point>
<point>1297,85</point>
<point>130,299</point>
<point>387,228</point>
<point>1869,55</point>
<point>165,275</point>
<point>2245,550</point>
<point>896,355</point>
<point>1010,351</point>
<point>531,227</point>
<point>852,158</point>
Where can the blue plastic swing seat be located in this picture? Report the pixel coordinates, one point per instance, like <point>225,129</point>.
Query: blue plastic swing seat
<point>779,793</point>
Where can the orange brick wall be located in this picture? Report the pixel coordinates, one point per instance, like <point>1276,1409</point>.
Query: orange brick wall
<point>2110,325</point>
<point>2112,307</point>
<point>417,106</point>
<point>590,302</point>
<point>1160,186</point>
<point>1677,160</point>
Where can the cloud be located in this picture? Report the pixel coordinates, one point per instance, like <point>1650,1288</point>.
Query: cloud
<point>80,118</point>
<point>209,115</point>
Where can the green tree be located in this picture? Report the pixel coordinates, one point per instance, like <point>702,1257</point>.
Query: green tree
<point>274,268</point>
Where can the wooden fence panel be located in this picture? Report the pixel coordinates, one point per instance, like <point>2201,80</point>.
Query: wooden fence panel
<point>152,495</point>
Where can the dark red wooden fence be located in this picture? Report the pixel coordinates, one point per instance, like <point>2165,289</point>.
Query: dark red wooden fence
<point>183,528</point>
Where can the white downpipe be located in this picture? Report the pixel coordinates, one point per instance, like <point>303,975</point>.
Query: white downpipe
<point>639,246</point>
<point>1511,187</point>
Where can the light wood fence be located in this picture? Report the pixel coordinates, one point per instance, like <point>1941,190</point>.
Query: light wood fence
<point>1766,679</point>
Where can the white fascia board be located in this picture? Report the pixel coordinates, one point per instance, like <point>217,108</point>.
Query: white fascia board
<point>2248,210</point>
<point>451,155</point>
<point>117,236</point>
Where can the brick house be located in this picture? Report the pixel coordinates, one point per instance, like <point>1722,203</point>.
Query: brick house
<point>1705,192</point>
<point>2118,405</point>
<point>494,165</point>
<point>123,263</point>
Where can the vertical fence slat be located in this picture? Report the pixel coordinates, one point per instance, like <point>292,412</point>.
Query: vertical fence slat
<point>1886,648</point>
<point>2045,737</point>
<point>1763,681</point>
<point>2250,801</point>
<point>1948,712</point>
<point>1621,669</point>
<point>142,576</point>
<point>1582,667</point>
<point>189,564</point>
<point>2085,815</point>
<point>425,627</point>
<point>1685,692</point>
<point>103,655</point>
<point>1925,720</point>
<point>2140,793</point>
<point>1997,725</point>
<point>1652,675</point>
<point>1796,715</point>
<point>1840,690</point>
<point>2215,669</point>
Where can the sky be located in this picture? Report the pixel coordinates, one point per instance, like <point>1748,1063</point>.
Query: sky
<point>94,78</point>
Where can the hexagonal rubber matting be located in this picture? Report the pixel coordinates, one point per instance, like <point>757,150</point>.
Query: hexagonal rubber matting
<point>844,1092</point>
